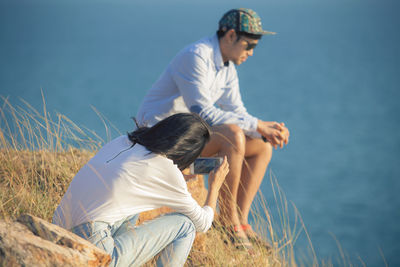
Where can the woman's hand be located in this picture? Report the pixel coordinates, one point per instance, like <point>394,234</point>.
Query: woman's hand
<point>217,177</point>
<point>215,180</point>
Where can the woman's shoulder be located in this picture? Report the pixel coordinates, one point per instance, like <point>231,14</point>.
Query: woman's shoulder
<point>112,148</point>
<point>120,141</point>
<point>166,168</point>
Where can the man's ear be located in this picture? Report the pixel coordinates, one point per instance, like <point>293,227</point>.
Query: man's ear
<point>231,34</point>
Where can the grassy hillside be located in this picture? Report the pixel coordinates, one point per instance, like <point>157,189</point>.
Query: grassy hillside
<point>39,156</point>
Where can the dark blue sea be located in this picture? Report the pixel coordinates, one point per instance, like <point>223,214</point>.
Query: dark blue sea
<point>332,74</point>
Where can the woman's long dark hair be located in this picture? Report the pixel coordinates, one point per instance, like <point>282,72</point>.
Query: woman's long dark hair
<point>180,137</point>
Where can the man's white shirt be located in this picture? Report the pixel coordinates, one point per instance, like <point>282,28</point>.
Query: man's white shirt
<point>197,80</point>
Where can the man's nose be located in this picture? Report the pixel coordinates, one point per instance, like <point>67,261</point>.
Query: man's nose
<point>250,52</point>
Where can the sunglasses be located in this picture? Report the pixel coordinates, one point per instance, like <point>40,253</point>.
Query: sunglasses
<point>250,45</point>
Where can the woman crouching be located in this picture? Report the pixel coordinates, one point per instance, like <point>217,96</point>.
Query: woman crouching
<point>136,173</point>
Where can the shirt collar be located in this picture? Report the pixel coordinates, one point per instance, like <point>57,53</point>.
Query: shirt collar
<point>219,63</point>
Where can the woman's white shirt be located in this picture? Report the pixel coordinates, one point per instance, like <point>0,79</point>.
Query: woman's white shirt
<point>121,180</point>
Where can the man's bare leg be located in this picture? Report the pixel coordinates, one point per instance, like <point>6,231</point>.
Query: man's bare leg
<point>228,140</point>
<point>258,155</point>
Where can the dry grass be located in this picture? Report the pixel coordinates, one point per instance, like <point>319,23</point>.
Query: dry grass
<point>37,159</point>
<point>39,156</point>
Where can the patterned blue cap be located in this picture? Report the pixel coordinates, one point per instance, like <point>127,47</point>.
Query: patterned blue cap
<point>242,20</point>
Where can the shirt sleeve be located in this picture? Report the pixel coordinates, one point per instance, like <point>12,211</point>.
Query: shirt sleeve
<point>202,217</point>
<point>170,190</point>
<point>195,81</point>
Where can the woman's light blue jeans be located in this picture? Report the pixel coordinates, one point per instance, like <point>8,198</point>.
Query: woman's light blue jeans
<point>129,245</point>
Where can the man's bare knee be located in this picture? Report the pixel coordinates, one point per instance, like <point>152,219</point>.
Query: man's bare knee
<point>227,139</point>
<point>234,137</point>
<point>267,151</point>
<point>258,148</point>
<point>264,151</point>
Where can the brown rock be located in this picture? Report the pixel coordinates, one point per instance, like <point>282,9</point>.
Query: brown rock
<point>35,242</point>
